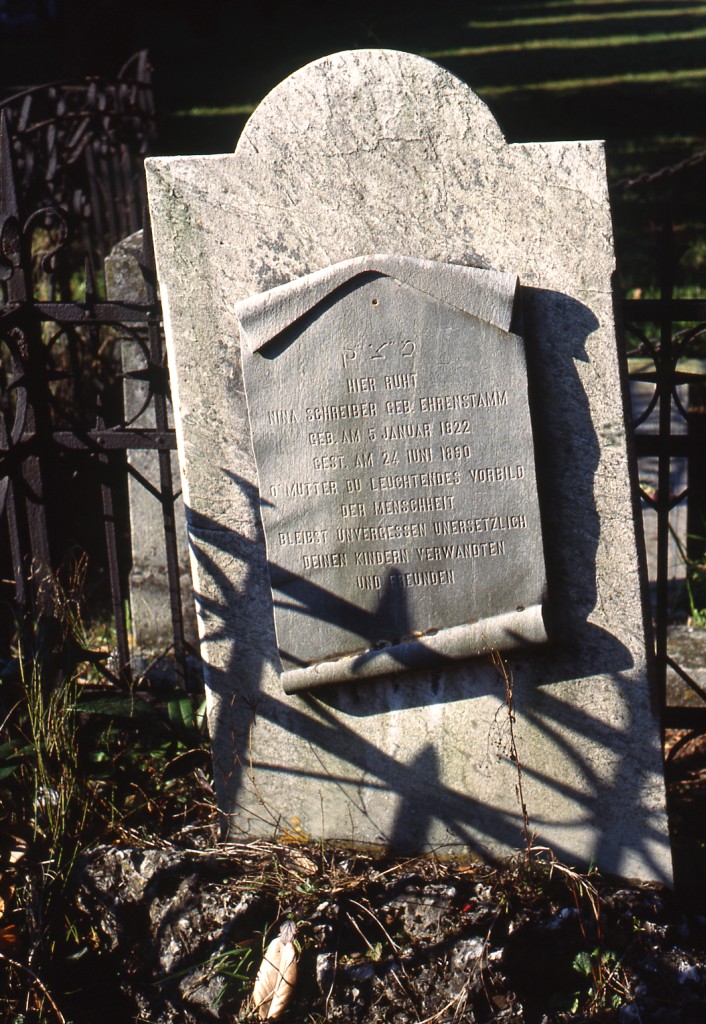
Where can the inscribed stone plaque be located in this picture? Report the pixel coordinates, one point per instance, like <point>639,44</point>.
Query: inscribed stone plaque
<point>391,429</point>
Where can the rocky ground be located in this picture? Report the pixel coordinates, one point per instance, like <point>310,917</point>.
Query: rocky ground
<point>156,923</point>
<point>173,930</point>
<point>177,936</point>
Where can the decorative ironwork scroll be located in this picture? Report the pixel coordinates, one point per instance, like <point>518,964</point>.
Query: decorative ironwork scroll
<point>79,146</point>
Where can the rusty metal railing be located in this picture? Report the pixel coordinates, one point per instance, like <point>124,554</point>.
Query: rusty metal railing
<point>80,147</point>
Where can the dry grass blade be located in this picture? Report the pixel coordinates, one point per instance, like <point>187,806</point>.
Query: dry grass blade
<point>378,922</point>
<point>576,880</point>
<point>277,975</point>
<point>38,982</point>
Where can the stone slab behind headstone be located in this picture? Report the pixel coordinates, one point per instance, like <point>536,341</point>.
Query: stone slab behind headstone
<point>149,583</point>
<point>382,152</point>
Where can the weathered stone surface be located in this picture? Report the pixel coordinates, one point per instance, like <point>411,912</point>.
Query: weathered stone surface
<point>376,151</point>
<point>149,585</point>
<point>398,492</point>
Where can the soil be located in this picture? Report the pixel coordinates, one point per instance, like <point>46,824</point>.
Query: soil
<point>178,933</point>
<point>171,926</point>
<point>177,936</point>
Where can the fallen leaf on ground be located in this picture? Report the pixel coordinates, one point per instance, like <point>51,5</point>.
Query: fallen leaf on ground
<point>274,984</point>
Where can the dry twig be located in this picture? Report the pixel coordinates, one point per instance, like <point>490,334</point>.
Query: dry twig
<point>38,982</point>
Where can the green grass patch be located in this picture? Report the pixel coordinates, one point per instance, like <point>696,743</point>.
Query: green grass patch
<point>226,111</point>
<point>664,77</point>
<point>690,11</point>
<point>564,4</point>
<point>629,71</point>
<point>568,43</point>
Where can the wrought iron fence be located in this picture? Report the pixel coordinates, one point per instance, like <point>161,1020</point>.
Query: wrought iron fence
<point>62,415</point>
<point>79,146</point>
<point>663,340</point>
<point>665,345</point>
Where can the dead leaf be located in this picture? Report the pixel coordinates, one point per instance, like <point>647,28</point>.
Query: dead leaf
<point>7,891</point>
<point>276,977</point>
<point>8,937</point>
<point>18,849</point>
<point>303,862</point>
<point>12,848</point>
<point>294,832</point>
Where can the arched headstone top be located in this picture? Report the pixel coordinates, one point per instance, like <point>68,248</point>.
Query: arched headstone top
<point>360,100</point>
<point>381,151</point>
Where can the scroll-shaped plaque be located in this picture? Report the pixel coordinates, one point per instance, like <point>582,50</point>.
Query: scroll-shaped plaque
<point>391,428</point>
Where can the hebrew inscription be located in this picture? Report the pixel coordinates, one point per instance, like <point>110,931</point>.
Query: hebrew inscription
<point>391,430</point>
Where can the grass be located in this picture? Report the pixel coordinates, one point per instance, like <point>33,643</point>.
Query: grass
<point>562,85</point>
<point>227,56</point>
<point>91,766</point>
<point>79,763</point>
<point>246,108</point>
<point>567,43</point>
<point>623,13</point>
<point>629,71</point>
<point>88,765</point>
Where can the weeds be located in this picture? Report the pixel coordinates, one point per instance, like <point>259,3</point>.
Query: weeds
<point>79,763</point>
<point>696,591</point>
<point>138,779</point>
<point>234,965</point>
<point>606,987</point>
<point>41,768</point>
<point>506,675</point>
<point>606,984</point>
<point>695,581</point>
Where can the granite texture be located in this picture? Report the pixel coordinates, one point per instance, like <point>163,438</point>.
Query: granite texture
<point>384,152</point>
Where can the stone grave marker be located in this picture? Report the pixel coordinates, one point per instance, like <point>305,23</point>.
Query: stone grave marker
<point>372,207</point>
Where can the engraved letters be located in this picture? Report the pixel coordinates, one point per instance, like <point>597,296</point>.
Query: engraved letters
<point>394,452</point>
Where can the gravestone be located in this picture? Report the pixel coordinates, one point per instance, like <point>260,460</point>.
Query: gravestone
<point>373,208</point>
<point>150,611</point>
